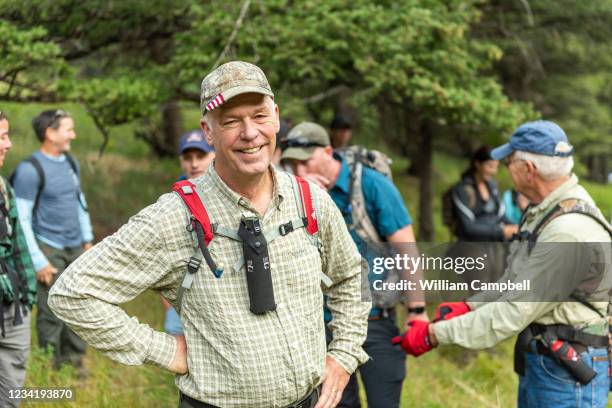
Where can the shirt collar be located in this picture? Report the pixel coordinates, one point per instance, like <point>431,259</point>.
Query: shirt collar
<point>59,159</point>
<point>213,178</point>
<point>343,181</point>
<point>554,196</point>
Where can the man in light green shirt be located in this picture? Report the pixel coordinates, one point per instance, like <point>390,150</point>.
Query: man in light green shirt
<point>232,356</point>
<point>564,252</point>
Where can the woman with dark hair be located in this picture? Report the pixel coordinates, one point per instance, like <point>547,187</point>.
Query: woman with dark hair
<point>479,215</point>
<point>479,211</point>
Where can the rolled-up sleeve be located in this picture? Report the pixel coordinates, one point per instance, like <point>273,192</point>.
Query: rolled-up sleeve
<point>87,294</point>
<point>342,263</point>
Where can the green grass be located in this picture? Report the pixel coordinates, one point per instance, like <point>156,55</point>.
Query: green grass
<point>109,384</point>
<point>128,177</point>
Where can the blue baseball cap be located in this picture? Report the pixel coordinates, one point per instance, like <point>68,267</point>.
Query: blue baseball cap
<point>539,137</point>
<point>194,139</point>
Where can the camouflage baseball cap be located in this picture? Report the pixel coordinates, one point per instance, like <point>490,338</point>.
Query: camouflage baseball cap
<point>302,141</point>
<point>229,80</point>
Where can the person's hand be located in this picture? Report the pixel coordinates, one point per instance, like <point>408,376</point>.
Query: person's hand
<point>179,362</point>
<point>510,230</point>
<point>46,275</point>
<point>318,179</point>
<point>165,303</point>
<point>448,310</point>
<point>87,246</point>
<point>416,340</point>
<point>334,381</point>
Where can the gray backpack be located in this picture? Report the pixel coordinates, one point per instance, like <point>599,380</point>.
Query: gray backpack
<point>356,157</point>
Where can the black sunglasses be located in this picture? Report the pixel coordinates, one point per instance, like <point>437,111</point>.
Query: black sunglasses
<point>53,122</point>
<point>299,142</point>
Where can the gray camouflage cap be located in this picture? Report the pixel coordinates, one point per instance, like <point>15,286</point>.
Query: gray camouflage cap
<point>229,80</point>
<point>302,141</point>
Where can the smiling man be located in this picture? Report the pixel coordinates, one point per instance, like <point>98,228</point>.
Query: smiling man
<point>243,347</point>
<point>57,228</point>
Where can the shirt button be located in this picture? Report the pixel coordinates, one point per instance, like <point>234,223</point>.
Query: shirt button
<point>242,201</point>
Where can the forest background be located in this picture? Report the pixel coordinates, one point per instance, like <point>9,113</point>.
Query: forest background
<point>427,81</point>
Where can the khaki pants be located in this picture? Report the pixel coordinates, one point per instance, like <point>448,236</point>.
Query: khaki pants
<point>68,347</point>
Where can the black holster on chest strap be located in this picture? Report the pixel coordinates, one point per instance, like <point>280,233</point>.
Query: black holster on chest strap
<point>257,265</point>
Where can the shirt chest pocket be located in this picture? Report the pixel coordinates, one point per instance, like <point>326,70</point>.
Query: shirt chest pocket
<point>296,264</point>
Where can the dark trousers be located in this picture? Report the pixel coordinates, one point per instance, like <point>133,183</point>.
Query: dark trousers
<point>383,374</point>
<point>67,346</point>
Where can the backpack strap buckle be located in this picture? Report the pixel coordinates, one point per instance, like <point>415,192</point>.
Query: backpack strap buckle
<point>285,229</point>
<point>193,264</point>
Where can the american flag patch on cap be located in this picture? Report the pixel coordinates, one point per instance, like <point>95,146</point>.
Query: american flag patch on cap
<point>215,102</point>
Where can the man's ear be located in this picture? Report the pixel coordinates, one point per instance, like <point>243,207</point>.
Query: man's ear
<point>49,134</point>
<point>532,171</point>
<point>277,116</point>
<point>328,150</point>
<point>206,129</point>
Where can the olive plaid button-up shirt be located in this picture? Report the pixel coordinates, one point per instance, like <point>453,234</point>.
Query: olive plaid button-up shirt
<point>235,358</point>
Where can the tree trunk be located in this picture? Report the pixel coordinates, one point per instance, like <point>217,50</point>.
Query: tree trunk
<point>424,168</point>
<point>419,133</point>
<point>172,124</point>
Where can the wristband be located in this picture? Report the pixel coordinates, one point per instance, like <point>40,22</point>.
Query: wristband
<point>416,310</point>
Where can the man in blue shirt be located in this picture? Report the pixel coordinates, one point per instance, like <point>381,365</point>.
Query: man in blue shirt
<point>308,150</point>
<point>56,223</point>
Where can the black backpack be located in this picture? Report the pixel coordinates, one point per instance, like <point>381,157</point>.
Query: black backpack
<point>41,176</point>
<point>449,211</point>
<point>449,201</point>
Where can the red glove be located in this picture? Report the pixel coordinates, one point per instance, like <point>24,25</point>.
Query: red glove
<point>448,310</point>
<point>416,340</point>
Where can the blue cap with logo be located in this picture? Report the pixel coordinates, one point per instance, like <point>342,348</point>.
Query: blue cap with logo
<point>194,139</point>
<point>540,137</point>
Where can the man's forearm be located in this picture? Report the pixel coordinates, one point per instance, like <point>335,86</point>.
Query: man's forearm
<point>349,324</point>
<point>109,329</point>
<point>24,208</point>
<point>489,324</point>
<point>414,298</point>
<point>85,223</point>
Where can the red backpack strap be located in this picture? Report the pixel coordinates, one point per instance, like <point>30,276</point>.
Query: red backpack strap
<point>308,205</point>
<point>187,190</point>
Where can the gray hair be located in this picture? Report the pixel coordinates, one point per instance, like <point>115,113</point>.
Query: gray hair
<point>548,167</point>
